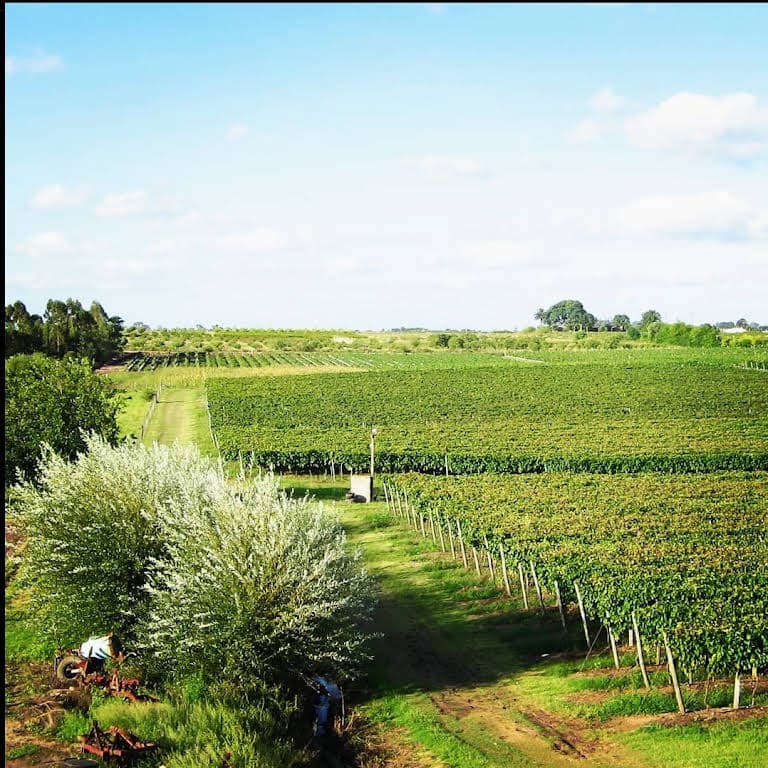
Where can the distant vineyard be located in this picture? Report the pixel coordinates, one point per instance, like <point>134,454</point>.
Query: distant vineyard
<point>680,556</point>
<point>356,361</point>
<point>516,418</point>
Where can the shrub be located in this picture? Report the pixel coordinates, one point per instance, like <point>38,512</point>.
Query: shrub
<point>257,587</point>
<point>153,543</point>
<point>93,531</point>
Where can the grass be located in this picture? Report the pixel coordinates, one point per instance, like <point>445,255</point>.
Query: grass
<point>131,416</point>
<point>724,744</point>
<point>180,414</point>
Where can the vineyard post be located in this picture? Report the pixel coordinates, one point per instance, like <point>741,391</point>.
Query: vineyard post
<point>442,538</point>
<point>640,658</point>
<point>560,603</point>
<point>432,527</point>
<point>446,464</point>
<point>736,690</point>
<point>754,684</point>
<point>477,562</point>
<point>522,584</point>
<point>673,673</point>
<point>421,521</point>
<point>612,640</point>
<point>450,538</point>
<point>398,496</point>
<point>582,612</point>
<point>490,559</point>
<point>461,543</point>
<point>386,493</point>
<point>538,588</point>
<point>507,588</point>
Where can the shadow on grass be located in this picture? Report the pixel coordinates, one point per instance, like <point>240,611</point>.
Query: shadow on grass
<point>443,626</point>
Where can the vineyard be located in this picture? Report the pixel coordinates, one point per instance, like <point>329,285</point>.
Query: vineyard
<point>509,418</point>
<point>678,560</point>
<point>352,361</point>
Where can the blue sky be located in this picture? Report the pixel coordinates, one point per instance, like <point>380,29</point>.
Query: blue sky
<point>375,166</point>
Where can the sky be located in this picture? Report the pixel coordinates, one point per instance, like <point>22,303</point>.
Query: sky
<point>375,166</point>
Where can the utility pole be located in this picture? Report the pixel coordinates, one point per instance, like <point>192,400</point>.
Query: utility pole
<point>373,449</point>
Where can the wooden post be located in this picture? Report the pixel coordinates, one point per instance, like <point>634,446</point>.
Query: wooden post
<point>446,465</point>
<point>673,674</point>
<point>442,539</point>
<point>560,604</point>
<point>386,492</point>
<point>640,658</point>
<point>477,562</point>
<point>490,559</point>
<point>450,538</point>
<point>582,612</point>
<point>631,638</point>
<point>538,588</point>
<point>432,527</point>
<point>522,584</point>
<point>399,504</point>
<point>423,529</point>
<point>461,543</point>
<point>614,649</point>
<point>736,690</point>
<point>504,570</point>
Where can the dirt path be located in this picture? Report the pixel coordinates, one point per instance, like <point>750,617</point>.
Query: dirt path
<point>451,654</point>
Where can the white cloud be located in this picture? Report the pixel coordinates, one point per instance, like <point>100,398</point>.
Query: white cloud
<point>733,122</point>
<point>714,213</point>
<point>25,279</point>
<point>123,204</point>
<point>259,240</point>
<point>162,247</point>
<point>45,244</point>
<point>57,196</point>
<point>236,131</point>
<point>39,62</point>
<point>126,267</point>
<point>606,100</point>
<point>587,130</point>
<point>445,165</point>
<point>498,255</point>
<point>343,266</point>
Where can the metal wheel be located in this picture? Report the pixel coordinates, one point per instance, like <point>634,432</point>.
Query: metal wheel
<point>68,668</point>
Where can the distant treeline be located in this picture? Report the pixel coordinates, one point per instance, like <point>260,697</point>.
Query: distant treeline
<point>65,327</point>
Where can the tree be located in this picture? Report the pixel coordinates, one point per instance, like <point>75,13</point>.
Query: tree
<point>742,323</point>
<point>621,321</point>
<point>65,328</point>
<point>23,332</point>
<point>52,401</point>
<point>649,316</point>
<point>568,314</point>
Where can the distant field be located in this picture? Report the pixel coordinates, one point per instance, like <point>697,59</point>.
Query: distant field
<point>340,360</point>
<point>640,412</point>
